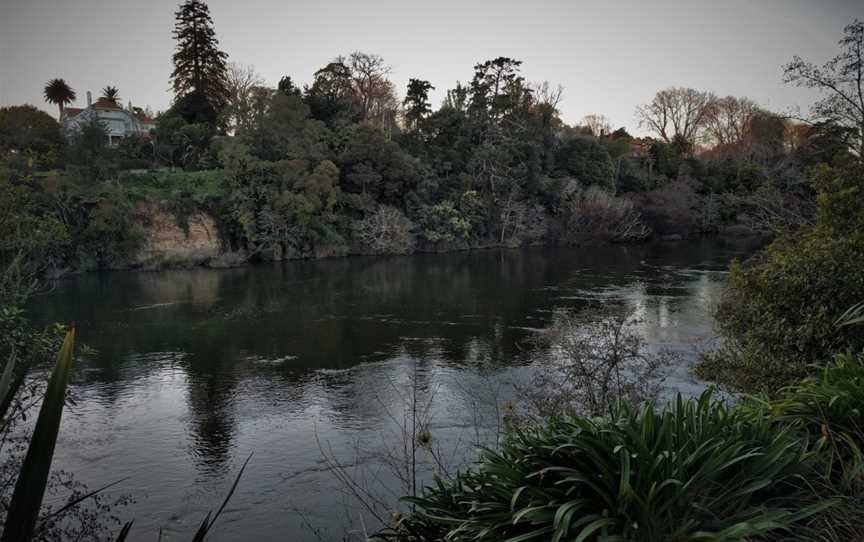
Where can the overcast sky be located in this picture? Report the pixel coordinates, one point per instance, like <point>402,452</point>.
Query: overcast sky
<point>609,55</point>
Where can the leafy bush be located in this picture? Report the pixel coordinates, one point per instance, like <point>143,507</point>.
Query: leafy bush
<point>826,411</point>
<point>88,155</point>
<point>829,409</point>
<point>449,221</point>
<point>778,312</point>
<point>698,470</point>
<point>586,160</point>
<point>32,239</point>
<point>104,228</point>
<point>26,128</point>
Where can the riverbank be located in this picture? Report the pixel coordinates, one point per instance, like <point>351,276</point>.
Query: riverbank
<point>196,239</point>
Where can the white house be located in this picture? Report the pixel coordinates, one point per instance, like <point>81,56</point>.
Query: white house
<point>118,122</point>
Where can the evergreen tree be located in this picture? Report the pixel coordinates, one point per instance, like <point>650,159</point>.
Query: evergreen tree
<point>200,71</point>
<point>497,88</point>
<point>287,87</point>
<point>416,102</point>
<point>329,97</point>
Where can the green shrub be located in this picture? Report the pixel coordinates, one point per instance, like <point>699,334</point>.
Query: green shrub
<point>826,410</point>
<point>449,220</point>
<point>829,410</point>
<point>697,470</point>
<point>779,309</point>
<point>33,239</point>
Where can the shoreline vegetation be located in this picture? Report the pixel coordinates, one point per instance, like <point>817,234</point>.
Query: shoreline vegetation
<point>343,165</point>
<point>347,165</point>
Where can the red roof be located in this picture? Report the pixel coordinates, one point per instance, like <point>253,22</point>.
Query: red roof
<point>104,103</point>
<point>72,111</point>
<point>143,118</point>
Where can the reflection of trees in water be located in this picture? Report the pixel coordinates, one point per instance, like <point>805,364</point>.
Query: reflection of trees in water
<point>457,309</point>
<point>211,394</point>
<point>357,397</point>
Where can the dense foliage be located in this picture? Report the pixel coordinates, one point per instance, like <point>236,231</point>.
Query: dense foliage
<point>779,311</point>
<point>697,470</point>
<point>24,128</point>
<point>493,165</point>
<point>828,409</point>
<point>318,170</point>
<point>343,166</point>
<point>782,469</point>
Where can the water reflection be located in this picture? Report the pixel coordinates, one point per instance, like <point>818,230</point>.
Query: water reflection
<point>196,368</point>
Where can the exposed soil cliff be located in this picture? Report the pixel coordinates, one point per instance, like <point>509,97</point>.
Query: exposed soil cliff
<point>172,241</point>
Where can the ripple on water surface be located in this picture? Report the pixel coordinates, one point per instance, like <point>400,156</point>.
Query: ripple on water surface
<point>196,369</point>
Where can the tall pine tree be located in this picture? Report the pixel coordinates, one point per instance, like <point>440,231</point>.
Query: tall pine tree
<point>416,103</point>
<point>200,71</point>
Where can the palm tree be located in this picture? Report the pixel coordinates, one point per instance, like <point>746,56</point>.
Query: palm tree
<point>110,93</point>
<point>57,91</point>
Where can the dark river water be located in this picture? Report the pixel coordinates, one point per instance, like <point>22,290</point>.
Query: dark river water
<point>294,361</point>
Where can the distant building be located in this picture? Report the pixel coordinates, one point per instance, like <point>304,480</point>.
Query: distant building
<point>118,122</point>
<point>639,146</point>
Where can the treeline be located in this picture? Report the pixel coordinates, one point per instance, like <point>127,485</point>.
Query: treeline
<point>343,165</point>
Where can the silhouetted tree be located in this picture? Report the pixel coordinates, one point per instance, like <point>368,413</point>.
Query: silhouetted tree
<point>58,92</point>
<point>416,102</point>
<point>842,79</point>
<point>111,93</point>
<point>496,89</point>
<point>200,70</point>
<point>287,87</point>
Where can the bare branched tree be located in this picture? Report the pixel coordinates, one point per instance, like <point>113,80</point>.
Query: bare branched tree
<point>727,120</point>
<point>592,364</point>
<point>676,111</point>
<point>599,125</point>
<point>244,89</point>
<point>374,93</point>
<point>386,231</point>
<point>547,95</point>
<point>841,80</point>
<point>594,215</point>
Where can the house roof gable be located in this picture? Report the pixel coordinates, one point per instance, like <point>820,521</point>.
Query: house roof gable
<point>104,103</point>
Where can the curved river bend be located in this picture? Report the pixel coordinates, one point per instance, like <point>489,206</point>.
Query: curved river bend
<point>196,369</point>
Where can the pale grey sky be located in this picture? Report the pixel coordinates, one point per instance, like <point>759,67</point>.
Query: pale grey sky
<point>609,55</point>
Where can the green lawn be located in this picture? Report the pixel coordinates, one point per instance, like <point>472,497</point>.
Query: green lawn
<point>171,185</point>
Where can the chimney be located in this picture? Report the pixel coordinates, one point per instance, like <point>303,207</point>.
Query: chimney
<point>89,99</point>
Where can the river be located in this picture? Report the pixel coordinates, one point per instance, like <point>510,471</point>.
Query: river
<point>196,369</point>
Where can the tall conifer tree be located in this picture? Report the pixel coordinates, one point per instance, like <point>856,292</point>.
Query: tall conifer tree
<point>416,102</point>
<point>200,71</point>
